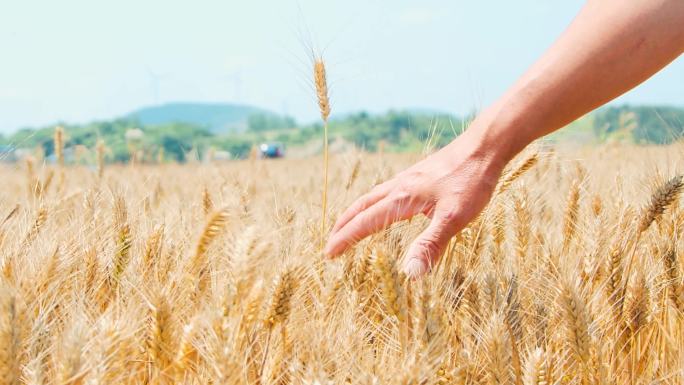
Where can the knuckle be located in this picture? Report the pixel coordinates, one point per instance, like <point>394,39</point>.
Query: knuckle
<point>417,174</point>
<point>401,195</point>
<point>428,208</point>
<point>383,186</point>
<point>429,245</point>
<point>362,202</point>
<point>450,216</point>
<point>354,206</point>
<point>366,197</point>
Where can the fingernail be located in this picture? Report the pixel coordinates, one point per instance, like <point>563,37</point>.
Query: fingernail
<point>414,267</point>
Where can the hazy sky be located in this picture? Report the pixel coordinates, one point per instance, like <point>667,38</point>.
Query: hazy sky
<point>79,60</point>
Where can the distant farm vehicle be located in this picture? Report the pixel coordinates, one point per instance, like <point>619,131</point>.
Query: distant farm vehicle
<point>271,150</point>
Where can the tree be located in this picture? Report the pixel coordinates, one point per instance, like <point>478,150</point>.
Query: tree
<point>645,124</point>
<point>261,122</point>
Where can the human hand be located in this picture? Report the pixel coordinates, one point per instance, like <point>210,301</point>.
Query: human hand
<point>450,186</point>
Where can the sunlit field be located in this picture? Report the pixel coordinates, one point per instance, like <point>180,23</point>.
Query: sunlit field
<point>212,273</point>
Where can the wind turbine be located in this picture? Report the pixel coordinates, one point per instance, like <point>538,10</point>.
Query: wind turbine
<point>155,80</point>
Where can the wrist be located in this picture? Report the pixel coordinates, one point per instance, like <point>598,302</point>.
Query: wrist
<point>497,135</point>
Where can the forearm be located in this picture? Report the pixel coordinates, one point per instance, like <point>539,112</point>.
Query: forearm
<point>611,47</point>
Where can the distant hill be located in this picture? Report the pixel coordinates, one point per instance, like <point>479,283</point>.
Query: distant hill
<point>219,118</point>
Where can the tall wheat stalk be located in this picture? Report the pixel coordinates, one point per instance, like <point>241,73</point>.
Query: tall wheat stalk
<point>100,150</point>
<point>58,142</point>
<point>324,107</point>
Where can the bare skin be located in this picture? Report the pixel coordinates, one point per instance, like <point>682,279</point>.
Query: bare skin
<point>611,47</point>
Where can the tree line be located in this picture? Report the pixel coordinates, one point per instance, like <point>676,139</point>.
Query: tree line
<point>394,130</point>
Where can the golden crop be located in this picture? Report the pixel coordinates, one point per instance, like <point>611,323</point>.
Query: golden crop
<point>211,273</point>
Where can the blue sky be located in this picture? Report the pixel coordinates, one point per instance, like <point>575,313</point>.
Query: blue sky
<point>80,60</point>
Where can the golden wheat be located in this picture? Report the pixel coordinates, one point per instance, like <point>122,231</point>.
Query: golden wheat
<point>130,276</point>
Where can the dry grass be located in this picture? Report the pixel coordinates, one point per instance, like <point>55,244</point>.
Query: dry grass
<point>212,274</point>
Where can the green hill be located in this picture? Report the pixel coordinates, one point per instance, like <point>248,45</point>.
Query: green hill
<point>218,118</point>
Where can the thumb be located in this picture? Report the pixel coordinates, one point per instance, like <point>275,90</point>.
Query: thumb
<point>428,247</point>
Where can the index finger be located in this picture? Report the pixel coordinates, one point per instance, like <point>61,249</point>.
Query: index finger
<point>369,221</point>
<point>365,201</point>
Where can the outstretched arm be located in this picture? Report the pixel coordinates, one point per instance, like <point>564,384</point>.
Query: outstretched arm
<point>610,47</point>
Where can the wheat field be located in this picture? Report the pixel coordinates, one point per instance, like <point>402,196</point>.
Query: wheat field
<point>212,274</point>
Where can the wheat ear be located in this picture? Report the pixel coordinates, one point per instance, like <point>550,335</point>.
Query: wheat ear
<point>153,248</point>
<point>31,179</point>
<point>571,215</point>
<point>71,358</point>
<point>214,227</point>
<point>123,240</point>
<point>186,350</point>
<point>9,338</point>
<point>525,166</point>
<point>58,142</point>
<point>522,226</point>
<point>498,351</point>
<point>11,214</point>
<point>614,284</point>
<point>354,174</point>
<point>279,308</point>
<point>207,203</point>
<point>388,278</point>
<point>661,199</point>
<point>577,321</point>
<point>159,335</point>
<point>674,277</point>
<point>100,151</point>
<point>596,205</point>
<point>59,154</point>
<point>639,310</point>
<point>41,218</point>
<point>535,368</point>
